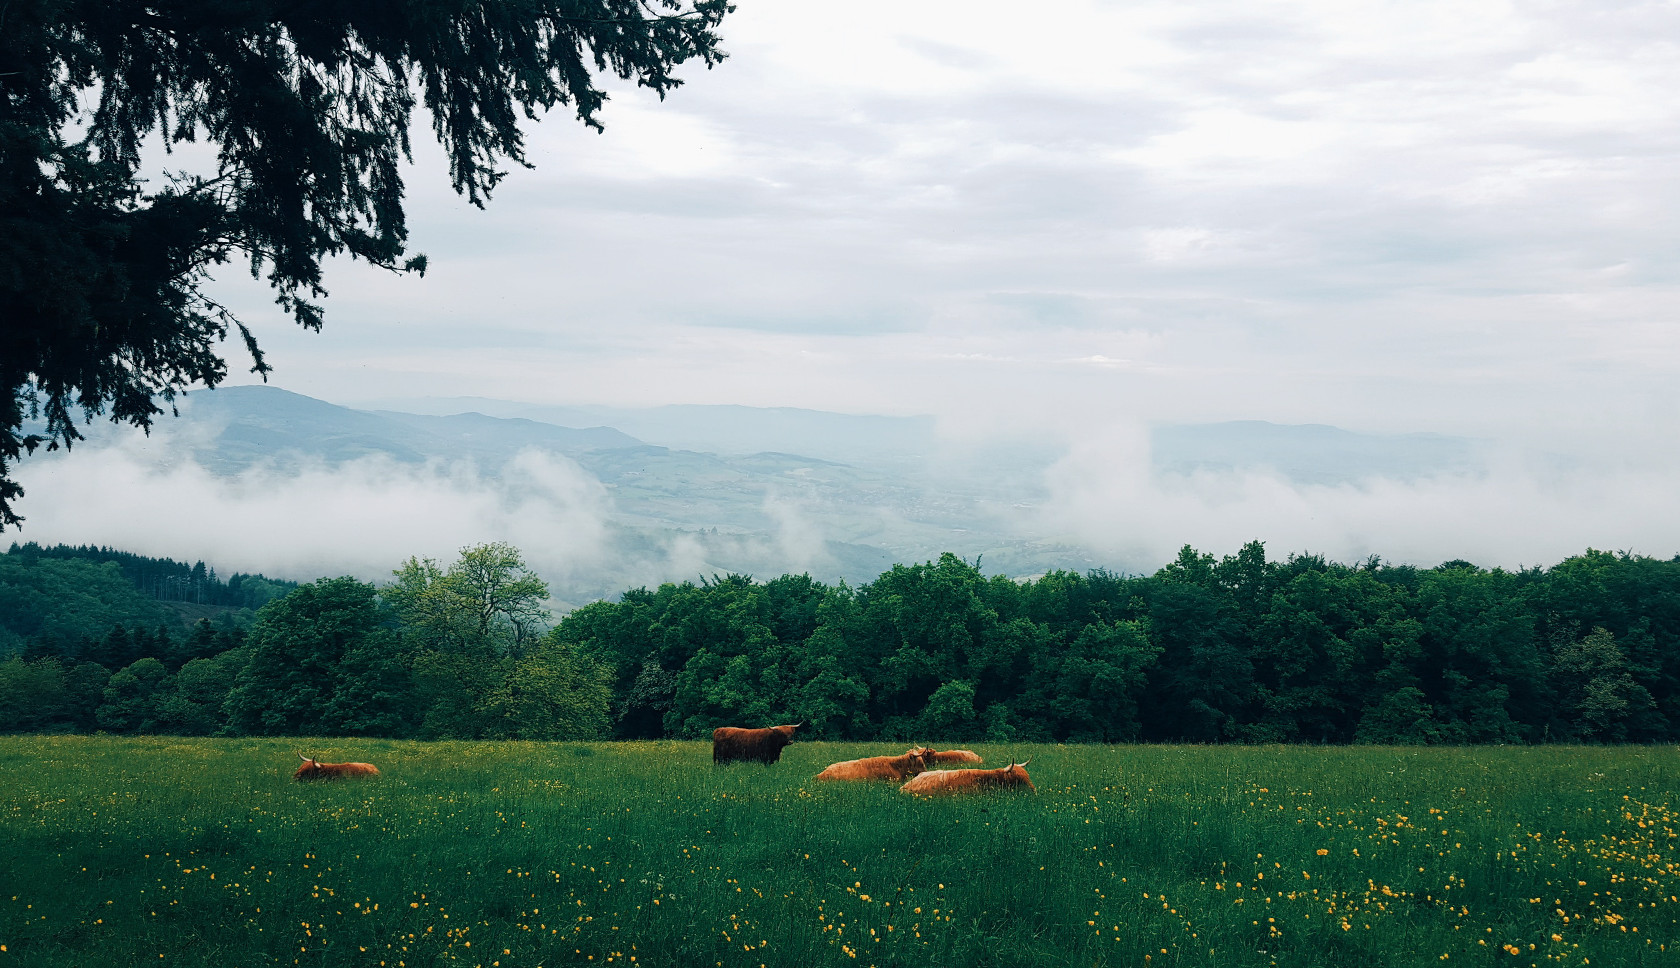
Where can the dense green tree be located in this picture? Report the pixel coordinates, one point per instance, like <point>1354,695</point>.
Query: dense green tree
<point>133,697</point>
<point>85,682</point>
<point>499,594</point>
<point>1400,717</point>
<point>373,691</point>
<point>1202,686</point>
<point>1087,689</point>
<point>834,702</point>
<point>1317,646</point>
<point>33,694</point>
<point>53,606</point>
<point>116,650</point>
<point>308,107</point>
<point>452,691</point>
<point>552,692</point>
<point>1596,691</point>
<point>1396,710</point>
<point>920,627</point>
<point>639,712</point>
<point>1635,599</point>
<point>949,712</point>
<point>292,683</point>
<point>193,705</point>
<point>205,640</point>
<point>1481,666</point>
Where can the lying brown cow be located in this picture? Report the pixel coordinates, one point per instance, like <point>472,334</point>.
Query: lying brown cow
<point>936,782</point>
<point>316,770</point>
<point>732,743</point>
<point>935,757</point>
<point>899,767</point>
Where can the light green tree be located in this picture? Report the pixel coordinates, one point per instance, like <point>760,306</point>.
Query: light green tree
<point>487,602</point>
<point>467,628</point>
<point>1596,687</point>
<point>552,692</point>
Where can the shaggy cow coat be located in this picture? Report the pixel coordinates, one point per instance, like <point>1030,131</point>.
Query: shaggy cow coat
<point>900,767</point>
<point>937,782</point>
<point>935,757</point>
<point>316,770</point>
<point>732,743</point>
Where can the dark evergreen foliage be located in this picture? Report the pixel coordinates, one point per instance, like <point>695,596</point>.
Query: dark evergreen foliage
<point>308,107</point>
<point>165,579</point>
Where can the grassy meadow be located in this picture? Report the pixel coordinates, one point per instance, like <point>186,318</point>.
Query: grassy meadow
<point>202,852</point>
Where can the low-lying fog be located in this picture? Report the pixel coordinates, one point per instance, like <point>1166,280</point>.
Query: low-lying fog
<point>633,512</point>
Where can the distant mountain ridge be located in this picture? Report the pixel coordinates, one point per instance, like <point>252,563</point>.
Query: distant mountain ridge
<point>251,424</point>
<point>719,428</point>
<point>786,489</point>
<point>1312,453</point>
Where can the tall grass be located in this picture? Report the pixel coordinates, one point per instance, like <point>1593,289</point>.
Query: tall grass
<point>203,852</point>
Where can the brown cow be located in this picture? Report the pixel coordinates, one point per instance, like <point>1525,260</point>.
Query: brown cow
<point>731,743</point>
<point>316,770</point>
<point>936,782</point>
<point>900,767</point>
<point>935,757</point>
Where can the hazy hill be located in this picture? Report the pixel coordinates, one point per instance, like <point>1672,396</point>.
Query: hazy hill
<point>1311,453</point>
<point>719,429</point>
<point>697,490</point>
<point>232,428</point>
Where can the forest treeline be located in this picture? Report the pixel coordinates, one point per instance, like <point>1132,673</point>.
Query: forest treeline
<point>1233,649</point>
<point>113,607</point>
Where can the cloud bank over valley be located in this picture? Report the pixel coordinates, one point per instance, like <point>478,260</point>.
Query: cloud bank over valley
<point>261,480</point>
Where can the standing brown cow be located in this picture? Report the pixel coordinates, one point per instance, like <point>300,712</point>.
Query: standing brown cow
<point>316,770</point>
<point>935,757</point>
<point>731,743</point>
<point>937,782</point>
<point>900,767</point>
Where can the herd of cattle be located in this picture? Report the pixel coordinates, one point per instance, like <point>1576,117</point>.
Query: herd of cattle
<point>731,744</point>
<point>913,768</point>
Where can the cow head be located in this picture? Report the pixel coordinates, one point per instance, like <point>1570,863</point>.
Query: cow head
<point>308,770</point>
<point>1017,775</point>
<point>918,761</point>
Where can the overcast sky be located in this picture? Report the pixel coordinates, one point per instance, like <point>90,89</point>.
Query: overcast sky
<point>1071,219</point>
<point>1390,216</point>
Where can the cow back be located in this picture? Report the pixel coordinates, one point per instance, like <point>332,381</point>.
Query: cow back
<point>313,770</point>
<point>876,768</point>
<point>938,782</point>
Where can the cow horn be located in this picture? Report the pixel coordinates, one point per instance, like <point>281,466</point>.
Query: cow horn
<point>1023,762</point>
<point>303,758</point>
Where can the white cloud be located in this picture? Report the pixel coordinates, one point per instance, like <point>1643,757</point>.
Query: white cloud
<point>361,518</point>
<point>1522,512</point>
